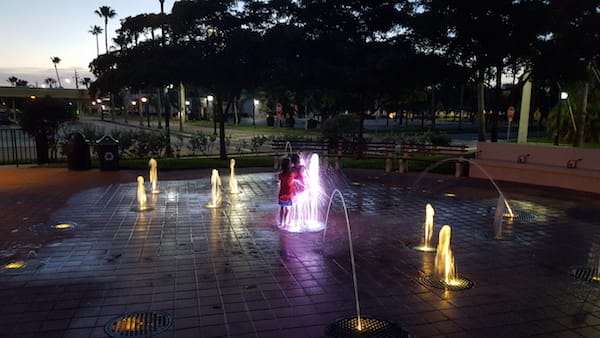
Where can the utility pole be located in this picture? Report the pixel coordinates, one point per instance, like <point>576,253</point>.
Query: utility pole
<point>76,80</point>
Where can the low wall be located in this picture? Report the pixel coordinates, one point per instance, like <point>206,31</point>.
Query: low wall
<point>554,166</point>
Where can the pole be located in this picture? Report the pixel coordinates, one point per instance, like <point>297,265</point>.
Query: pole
<point>253,113</point>
<point>556,137</point>
<point>168,151</point>
<point>214,117</point>
<point>147,112</point>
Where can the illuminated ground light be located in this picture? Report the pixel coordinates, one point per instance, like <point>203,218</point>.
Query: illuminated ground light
<point>54,227</point>
<point>421,247</point>
<point>18,267</point>
<point>456,284</point>
<point>450,194</point>
<point>142,324</point>
<point>356,184</point>
<point>368,327</point>
<point>142,208</point>
<point>585,274</point>
<point>519,216</point>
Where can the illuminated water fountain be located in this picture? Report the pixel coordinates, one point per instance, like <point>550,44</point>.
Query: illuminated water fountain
<point>357,326</point>
<point>427,231</point>
<point>233,183</point>
<point>141,196</point>
<point>503,209</point>
<point>215,191</point>
<point>444,270</point>
<point>306,214</point>
<point>153,176</point>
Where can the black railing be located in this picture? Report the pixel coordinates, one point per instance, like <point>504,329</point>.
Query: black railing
<point>16,147</point>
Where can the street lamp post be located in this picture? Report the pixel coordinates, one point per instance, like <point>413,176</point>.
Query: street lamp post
<point>563,97</point>
<point>210,99</point>
<point>168,150</point>
<point>255,103</point>
<point>145,110</point>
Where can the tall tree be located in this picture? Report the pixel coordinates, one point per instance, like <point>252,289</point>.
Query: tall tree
<point>51,82</point>
<point>56,60</point>
<point>107,13</point>
<point>96,30</point>
<point>13,80</point>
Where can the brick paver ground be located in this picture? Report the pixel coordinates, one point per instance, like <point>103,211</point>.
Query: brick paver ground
<point>229,272</point>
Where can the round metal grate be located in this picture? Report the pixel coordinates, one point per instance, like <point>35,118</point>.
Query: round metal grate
<point>457,285</point>
<point>18,267</point>
<point>139,209</point>
<point>53,227</point>
<point>370,327</point>
<point>139,324</point>
<point>585,273</point>
<point>422,248</point>
<point>520,216</point>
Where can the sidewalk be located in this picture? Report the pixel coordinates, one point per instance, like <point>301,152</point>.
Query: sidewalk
<point>229,272</point>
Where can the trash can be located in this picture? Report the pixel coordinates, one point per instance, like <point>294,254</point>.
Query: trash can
<point>78,152</point>
<point>108,153</point>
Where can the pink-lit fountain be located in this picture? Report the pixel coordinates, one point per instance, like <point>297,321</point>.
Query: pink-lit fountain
<point>306,214</point>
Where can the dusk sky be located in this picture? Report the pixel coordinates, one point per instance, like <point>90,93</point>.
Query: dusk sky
<point>33,31</point>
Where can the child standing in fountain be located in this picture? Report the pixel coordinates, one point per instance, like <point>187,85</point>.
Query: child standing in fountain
<point>286,192</point>
<point>298,170</point>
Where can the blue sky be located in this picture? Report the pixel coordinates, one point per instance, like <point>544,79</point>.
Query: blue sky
<point>33,31</point>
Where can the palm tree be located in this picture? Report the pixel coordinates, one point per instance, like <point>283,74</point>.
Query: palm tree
<point>13,80</point>
<point>56,60</point>
<point>107,13</point>
<point>50,82</point>
<point>96,30</point>
<point>86,82</point>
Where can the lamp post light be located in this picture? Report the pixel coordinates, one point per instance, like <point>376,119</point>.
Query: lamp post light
<point>145,110</point>
<point>210,99</point>
<point>563,97</point>
<point>255,103</point>
<point>168,150</point>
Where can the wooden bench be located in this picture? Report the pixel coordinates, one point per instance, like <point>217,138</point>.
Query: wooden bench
<point>547,165</point>
<point>367,150</point>
<point>408,151</point>
<point>283,148</point>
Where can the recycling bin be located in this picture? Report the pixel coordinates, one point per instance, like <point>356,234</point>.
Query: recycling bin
<point>108,153</point>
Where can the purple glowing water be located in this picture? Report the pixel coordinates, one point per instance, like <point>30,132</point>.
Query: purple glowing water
<point>307,209</point>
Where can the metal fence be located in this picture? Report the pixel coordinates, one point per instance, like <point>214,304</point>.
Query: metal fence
<point>16,147</point>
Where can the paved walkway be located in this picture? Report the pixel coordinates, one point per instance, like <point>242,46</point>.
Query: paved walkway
<point>229,272</point>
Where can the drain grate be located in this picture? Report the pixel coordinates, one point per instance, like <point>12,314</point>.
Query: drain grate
<point>18,267</point>
<point>585,273</point>
<point>139,324</point>
<point>370,327</point>
<point>422,248</point>
<point>457,284</point>
<point>53,227</point>
<point>522,217</point>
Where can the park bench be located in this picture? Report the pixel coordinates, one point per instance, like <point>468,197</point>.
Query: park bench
<point>282,148</point>
<point>366,150</point>
<point>430,153</point>
<point>564,167</point>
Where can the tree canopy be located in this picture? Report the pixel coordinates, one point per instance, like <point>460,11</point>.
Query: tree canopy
<point>354,56</point>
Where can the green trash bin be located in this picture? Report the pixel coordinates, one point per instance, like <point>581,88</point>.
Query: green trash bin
<point>108,153</point>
